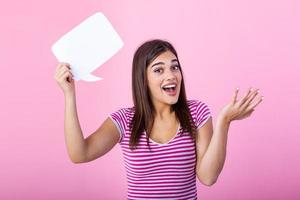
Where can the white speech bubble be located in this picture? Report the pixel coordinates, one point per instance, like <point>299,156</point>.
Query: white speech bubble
<point>87,46</point>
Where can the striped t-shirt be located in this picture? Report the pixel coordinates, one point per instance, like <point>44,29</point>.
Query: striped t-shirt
<point>167,171</point>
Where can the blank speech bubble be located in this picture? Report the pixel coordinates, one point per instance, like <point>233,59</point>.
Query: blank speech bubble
<point>87,46</point>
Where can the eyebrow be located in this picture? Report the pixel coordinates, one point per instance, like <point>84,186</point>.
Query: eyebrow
<point>162,63</point>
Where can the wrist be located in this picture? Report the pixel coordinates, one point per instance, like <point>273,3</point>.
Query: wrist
<point>69,95</point>
<point>223,119</point>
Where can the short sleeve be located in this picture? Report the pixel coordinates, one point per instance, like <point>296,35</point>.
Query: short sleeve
<point>120,120</point>
<point>202,114</point>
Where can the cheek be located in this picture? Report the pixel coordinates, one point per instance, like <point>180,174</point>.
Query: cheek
<point>179,76</point>
<point>153,84</point>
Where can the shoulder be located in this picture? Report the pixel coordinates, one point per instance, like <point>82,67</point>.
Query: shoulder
<point>198,108</point>
<point>123,113</point>
<point>200,112</point>
<point>196,104</point>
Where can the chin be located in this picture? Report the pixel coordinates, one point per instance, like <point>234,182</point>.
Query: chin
<point>172,101</point>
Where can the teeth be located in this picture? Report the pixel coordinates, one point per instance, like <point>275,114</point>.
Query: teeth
<point>169,86</point>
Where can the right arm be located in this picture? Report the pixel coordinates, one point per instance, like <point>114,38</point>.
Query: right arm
<point>82,150</point>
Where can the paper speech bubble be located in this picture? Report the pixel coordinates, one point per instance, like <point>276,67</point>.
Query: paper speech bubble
<point>87,46</point>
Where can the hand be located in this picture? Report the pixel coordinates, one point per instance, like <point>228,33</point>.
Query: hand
<point>237,110</point>
<point>64,78</point>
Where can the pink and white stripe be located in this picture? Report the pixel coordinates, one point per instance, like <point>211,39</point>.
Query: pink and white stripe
<point>166,171</point>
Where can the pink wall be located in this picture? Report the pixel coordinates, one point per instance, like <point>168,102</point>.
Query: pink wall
<point>221,44</point>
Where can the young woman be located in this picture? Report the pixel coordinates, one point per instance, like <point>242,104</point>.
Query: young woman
<point>167,140</point>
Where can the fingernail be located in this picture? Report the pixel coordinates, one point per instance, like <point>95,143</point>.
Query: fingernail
<point>258,91</point>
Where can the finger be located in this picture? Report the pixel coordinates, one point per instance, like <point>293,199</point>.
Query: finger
<point>62,70</point>
<point>256,103</point>
<point>59,68</point>
<point>250,98</point>
<point>62,64</point>
<point>245,97</point>
<point>68,77</point>
<point>234,98</point>
<point>63,76</point>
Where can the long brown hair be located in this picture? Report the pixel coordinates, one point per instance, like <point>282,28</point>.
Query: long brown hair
<point>143,118</point>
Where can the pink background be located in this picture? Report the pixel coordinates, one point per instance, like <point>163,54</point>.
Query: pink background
<point>221,45</point>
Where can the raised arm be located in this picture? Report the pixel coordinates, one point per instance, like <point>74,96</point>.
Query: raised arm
<point>211,144</point>
<point>82,150</point>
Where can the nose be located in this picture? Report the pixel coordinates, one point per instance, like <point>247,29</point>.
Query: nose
<point>170,75</point>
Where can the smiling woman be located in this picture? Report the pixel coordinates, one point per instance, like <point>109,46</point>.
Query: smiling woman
<point>167,140</point>
<point>157,135</point>
<point>155,67</point>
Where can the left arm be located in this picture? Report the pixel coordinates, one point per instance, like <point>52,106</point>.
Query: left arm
<point>211,145</point>
<point>211,150</point>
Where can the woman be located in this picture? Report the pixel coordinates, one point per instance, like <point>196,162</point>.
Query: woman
<point>167,140</point>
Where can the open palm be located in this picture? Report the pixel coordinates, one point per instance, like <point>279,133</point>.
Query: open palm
<point>240,109</point>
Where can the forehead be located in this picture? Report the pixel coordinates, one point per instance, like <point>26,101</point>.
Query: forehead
<point>165,56</point>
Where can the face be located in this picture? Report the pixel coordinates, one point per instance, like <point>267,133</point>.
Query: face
<point>164,79</point>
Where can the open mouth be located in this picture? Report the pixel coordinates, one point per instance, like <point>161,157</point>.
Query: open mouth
<point>170,89</point>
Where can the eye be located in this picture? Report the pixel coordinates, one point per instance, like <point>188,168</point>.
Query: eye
<point>158,70</point>
<point>175,67</point>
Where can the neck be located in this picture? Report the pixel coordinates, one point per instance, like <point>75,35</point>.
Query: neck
<point>163,111</point>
